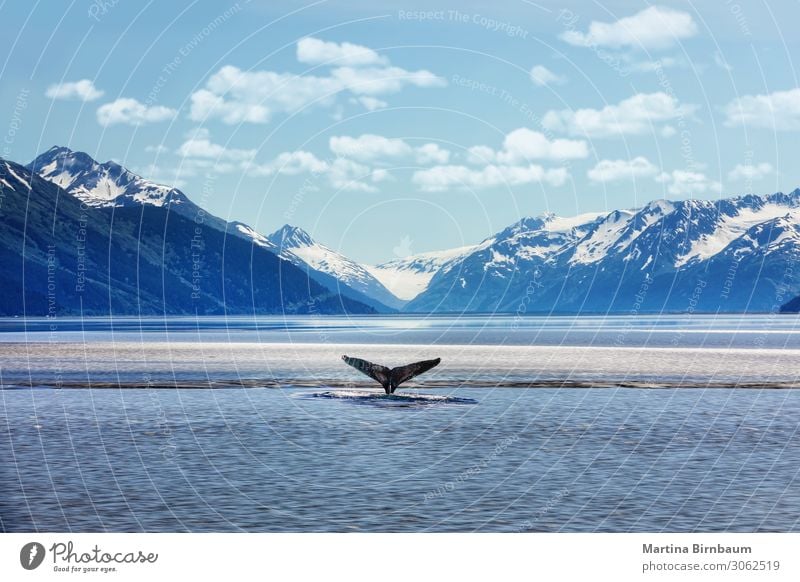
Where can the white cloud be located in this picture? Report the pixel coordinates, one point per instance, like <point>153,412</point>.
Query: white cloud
<point>369,103</point>
<point>668,131</point>
<point>380,175</point>
<point>314,51</point>
<point>440,178</point>
<point>481,155</point>
<point>349,175</point>
<point>523,144</point>
<point>378,81</point>
<point>237,96</point>
<point>431,153</point>
<point>156,149</point>
<point>614,170</point>
<point>377,148</point>
<point>342,173</point>
<point>656,27</point>
<point>750,172</point>
<point>778,111</point>
<point>542,76</point>
<point>290,164</point>
<point>688,183</point>
<point>132,112</point>
<point>368,147</point>
<point>83,90</point>
<point>198,145</point>
<point>633,115</point>
<point>651,66</point>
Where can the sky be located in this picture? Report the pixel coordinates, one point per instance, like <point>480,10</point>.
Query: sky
<point>387,128</point>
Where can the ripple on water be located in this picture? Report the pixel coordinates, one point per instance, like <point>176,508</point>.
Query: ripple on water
<point>361,397</point>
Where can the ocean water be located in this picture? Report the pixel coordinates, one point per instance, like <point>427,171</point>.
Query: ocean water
<point>529,424</point>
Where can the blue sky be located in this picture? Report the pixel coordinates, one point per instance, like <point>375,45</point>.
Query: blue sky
<point>438,124</point>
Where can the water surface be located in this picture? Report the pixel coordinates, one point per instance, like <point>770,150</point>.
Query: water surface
<point>665,424</point>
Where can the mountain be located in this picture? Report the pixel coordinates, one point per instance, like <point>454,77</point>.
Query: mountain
<point>791,306</point>
<point>731,255</point>
<point>409,276</point>
<point>332,269</point>
<point>60,255</point>
<point>101,185</point>
<point>110,185</point>
<point>682,256</point>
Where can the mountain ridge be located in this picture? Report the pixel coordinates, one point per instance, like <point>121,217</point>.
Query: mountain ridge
<point>593,262</point>
<point>59,256</point>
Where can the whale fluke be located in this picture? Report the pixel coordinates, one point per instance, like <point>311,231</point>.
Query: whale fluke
<point>391,379</point>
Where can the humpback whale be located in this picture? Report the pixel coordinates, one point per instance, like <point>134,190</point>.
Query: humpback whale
<point>390,379</point>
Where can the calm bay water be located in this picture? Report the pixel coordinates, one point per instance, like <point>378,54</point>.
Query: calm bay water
<point>687,424</point>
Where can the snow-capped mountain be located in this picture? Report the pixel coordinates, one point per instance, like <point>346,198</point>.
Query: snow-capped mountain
<point>730,255</point>
<point>329,267</point>
<point>692,255</point>
<point>137,261</point>
<point>111,185</point>
<point>409,276</point>
<point>101,185</point>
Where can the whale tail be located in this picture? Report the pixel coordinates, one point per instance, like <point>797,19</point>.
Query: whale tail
<point>390,379</point>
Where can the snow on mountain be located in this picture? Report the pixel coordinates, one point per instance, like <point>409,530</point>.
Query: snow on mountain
<point>137,262</point>
<point>99,185</point>
<point>296,245</point>
<point>734,225</point>
<point>250,233</point>
<point>650,258</point>
<point>409,276</point>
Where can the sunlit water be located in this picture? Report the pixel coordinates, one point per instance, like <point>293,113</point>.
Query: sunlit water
<point>558,424</point>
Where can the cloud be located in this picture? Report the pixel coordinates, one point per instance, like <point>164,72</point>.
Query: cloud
<point>778,111</point>
<point>156,149</point>
<point>750,172</point>
<point>345,174</point>
<point>369,103</point>
<point>381,175</point>
<point>634,115</point>
<point>237,96</point>
<point>481,154</point>
<point>523,144</point>
<point>198,145</point>
<point>431,153</point>
<point>687,182</point>
<point>83,90</point>
<point>656,27</point>
<point>377,81</point>
<point>614,170</point>
<point>668,131</point>
<point>638,66</point>
<point>373,148</point>
<point>439,178</point>
<point>131,112</point>
<point>368,147</point>
<point>342,174</point>
<point>542,76</point>
<point>290,164</point>
<point>314,51</point>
